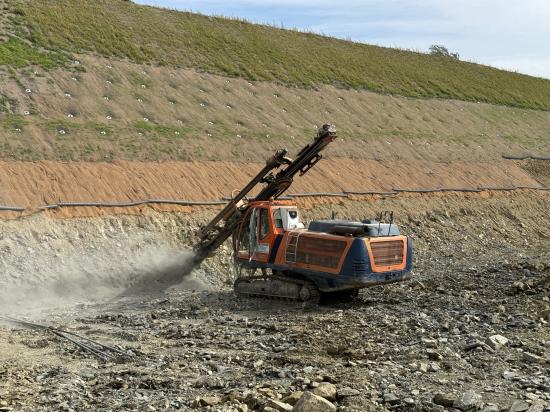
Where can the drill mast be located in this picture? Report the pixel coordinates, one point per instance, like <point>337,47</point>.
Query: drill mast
<point>222,226</point>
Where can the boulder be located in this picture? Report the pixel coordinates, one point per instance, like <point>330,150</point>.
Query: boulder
<point>434,355</point>
<point>537,406</point>
<point>278,406</point>
<point>293,397</point>
<point>468,401</point>
<point>346,392</point>
<point>423,367</point>
<point>391,398</point>
<point>496,341</point>
<point>313,403</point>
<point>532,358</point>
<point>209,401</point>
<point>519,406</point>
<point>326,390</point>
<point>445,399</point>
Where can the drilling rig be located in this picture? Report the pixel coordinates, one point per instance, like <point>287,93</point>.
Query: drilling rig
<point>295,263</point>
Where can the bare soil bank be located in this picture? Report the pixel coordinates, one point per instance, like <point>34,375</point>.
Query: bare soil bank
<point>33,184</point>
<point>84,259</point>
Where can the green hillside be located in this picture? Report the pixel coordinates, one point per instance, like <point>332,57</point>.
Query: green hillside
<point>239,49</point>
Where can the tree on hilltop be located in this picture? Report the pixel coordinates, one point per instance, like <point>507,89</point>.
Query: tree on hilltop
<point>440,50</point>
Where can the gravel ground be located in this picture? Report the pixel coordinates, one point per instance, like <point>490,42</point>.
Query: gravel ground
<point>470,332</point>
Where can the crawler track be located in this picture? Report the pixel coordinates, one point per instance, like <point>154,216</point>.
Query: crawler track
<point>278,288</point>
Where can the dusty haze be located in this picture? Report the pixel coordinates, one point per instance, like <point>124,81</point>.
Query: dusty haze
<point>60,267</point>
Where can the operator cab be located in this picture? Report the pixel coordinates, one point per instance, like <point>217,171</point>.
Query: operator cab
<point>263,222</point>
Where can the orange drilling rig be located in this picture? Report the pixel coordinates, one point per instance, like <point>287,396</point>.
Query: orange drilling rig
<point>295,263</point>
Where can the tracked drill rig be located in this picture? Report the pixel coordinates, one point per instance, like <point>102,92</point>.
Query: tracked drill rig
<point>331,256</point>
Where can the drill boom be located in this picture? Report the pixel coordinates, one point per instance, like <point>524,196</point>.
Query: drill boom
<point>214,234</point>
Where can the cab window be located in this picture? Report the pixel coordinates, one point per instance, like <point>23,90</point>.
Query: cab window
<point>277,217</point>
<point>244,239</point>
<point>264,223</point>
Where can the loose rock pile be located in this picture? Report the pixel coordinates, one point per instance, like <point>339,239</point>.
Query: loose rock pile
<point>463,335</point>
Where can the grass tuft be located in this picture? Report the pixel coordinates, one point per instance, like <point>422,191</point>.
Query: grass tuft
<point>155,130</point>
<point>12,122</point>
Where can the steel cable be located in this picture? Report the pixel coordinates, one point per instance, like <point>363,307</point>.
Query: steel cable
<point>223,201</point>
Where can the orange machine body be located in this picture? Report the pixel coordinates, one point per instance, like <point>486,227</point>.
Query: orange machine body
<point>271,236</point>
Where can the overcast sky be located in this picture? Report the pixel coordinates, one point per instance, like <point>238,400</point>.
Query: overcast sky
<point>509,34</point>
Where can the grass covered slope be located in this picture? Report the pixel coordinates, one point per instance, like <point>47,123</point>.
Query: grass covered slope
<point>239,49</point>
<point>16,53</point>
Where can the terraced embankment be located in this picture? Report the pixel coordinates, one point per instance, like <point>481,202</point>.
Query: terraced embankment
<point>122,110</point>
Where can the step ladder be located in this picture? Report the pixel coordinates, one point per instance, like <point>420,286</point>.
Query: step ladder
<point>291,253</point>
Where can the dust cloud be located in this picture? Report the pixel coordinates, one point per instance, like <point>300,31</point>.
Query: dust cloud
<point>99,274</point>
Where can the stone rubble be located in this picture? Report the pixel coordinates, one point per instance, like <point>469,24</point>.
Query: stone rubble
<point>459,337</point>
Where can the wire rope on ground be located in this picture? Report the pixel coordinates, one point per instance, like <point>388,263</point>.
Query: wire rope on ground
<point>223,201</point>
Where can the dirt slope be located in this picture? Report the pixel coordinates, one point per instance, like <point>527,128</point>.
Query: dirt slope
<point>35,184</point>
<point>539,169</point>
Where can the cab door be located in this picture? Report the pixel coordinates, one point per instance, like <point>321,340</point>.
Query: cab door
<point>265,235</point>
<point>256,235</point>
<point>247,241</point>
<point>253,233</point>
